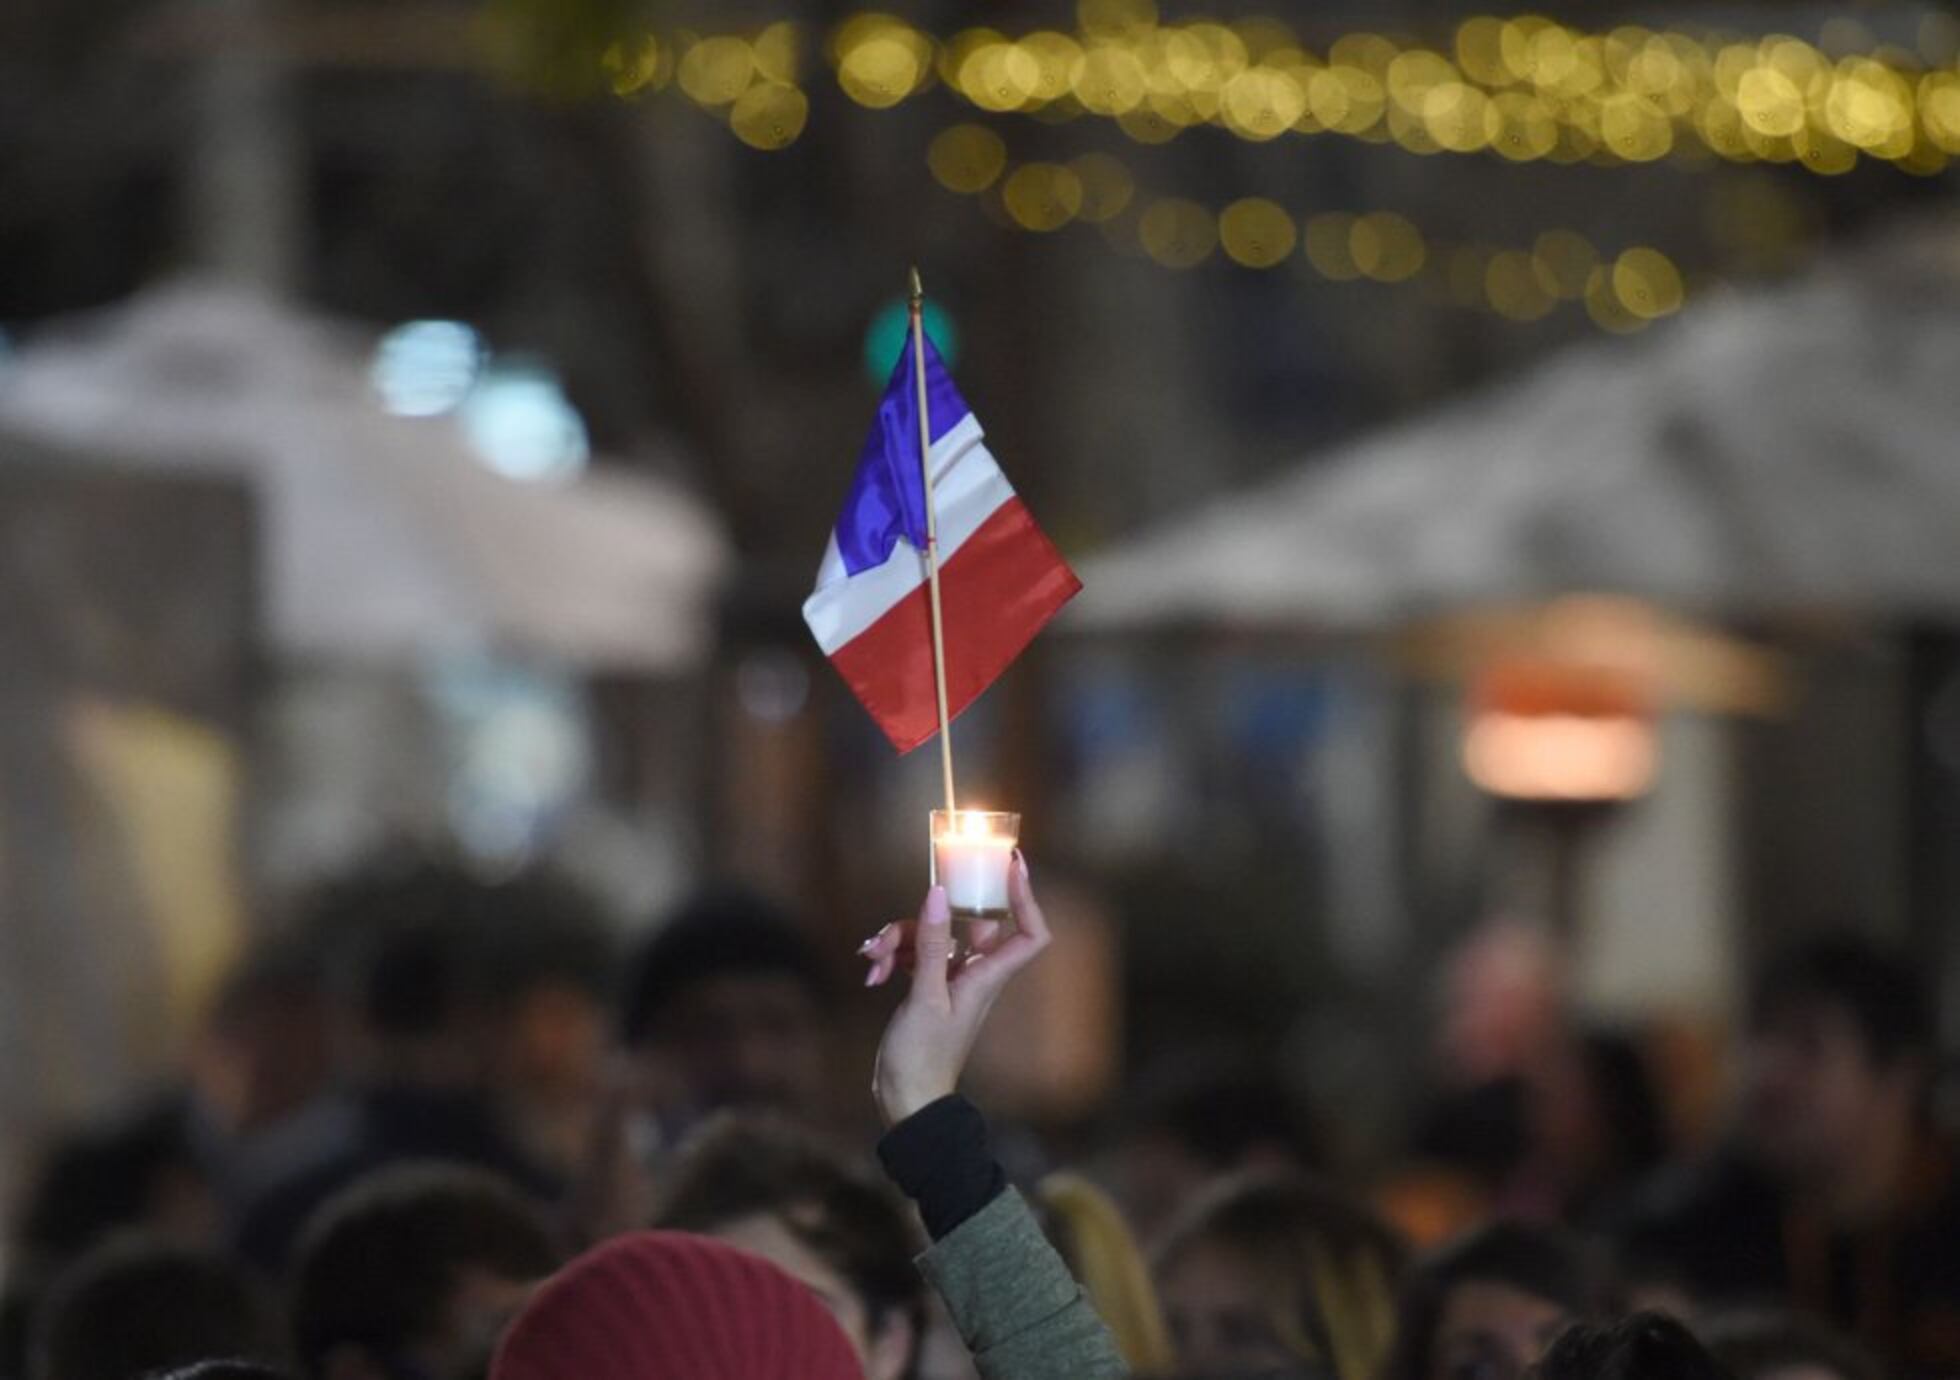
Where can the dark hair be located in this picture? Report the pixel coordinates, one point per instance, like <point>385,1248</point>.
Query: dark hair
<point>428,938</point>
<point>1634,1122</point>
<point>1220,1109</point>
<point>103,1179</point>
<point>1541,1261</point>
<point>377,1263</point>
<point>224,1370</point>
<point>137,1305</point>
<point>741,1164</point>
<point>1877,988</point>
<point>720,933</point>
<point>1751,1345</point>
<point>1645,1346</point>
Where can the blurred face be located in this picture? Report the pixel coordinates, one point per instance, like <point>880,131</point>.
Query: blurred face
<point>480,1309</point>
<point>747,1040</point>
<point>883,1351</point>
<point>1220,1323</point>
<point>1812,1093</point>
<point>1492,1331</point>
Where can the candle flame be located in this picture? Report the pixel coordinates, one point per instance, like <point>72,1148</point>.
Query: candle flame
<point>974,823</point>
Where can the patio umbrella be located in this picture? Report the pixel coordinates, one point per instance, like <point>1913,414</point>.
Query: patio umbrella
<point>1783,450</point>
<point>386,538</point>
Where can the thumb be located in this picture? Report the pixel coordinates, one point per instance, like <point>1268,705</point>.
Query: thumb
<point>932,949</point>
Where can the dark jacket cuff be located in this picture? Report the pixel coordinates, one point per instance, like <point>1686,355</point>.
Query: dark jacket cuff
<point>940,1158</point>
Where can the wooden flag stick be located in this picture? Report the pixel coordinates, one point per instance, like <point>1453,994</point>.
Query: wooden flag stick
<point>918,304</point>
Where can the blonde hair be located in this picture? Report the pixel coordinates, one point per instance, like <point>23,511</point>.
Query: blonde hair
<point>1088,1229</point>
<point>1329,1267</point>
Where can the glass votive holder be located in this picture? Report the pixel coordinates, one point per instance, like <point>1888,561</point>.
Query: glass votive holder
<point>972,851</point>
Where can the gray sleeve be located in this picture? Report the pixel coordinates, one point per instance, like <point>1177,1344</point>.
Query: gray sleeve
<point>1020,1312</point>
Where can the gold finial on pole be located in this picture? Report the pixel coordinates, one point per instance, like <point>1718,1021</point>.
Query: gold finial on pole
<point>918,307</point>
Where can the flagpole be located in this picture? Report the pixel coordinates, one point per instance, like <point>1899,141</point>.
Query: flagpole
<point>918,306</point>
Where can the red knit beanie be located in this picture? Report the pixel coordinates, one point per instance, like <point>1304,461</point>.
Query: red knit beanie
<point>664,1305</point>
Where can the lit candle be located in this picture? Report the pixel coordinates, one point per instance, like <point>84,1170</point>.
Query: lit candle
<point>971,852</point>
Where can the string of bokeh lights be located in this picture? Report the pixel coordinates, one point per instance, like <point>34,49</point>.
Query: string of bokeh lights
<point>1621,294</point>
<point>1522,88</point>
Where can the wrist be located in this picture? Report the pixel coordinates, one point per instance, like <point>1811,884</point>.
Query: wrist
<point>900,1098</point>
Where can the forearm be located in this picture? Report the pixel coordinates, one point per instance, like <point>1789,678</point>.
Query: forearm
<point>1020,1312</point>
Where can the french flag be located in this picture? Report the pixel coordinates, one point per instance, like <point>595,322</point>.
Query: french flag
<point>1000,578</point>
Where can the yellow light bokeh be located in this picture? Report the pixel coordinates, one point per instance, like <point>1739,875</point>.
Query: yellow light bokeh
<point>715,71</point>
<point>1823,152</point>
<point>1564,261</point>
<point>880,71</point>
<point>1647,283</point>
<point>1511,286</point>
<point>1328,241</point>
<point>967,158</point>
<point>1386,247</point>
<point>1115,19</point>
<point>1604,306</point>
<point>779,53</point>
<point>999,77</point>
<point>637,65</point>
<point>1461,118</point>
<point>769,115</point>
<point>1634,129</point>
<point>1146,126</point>
<point>1107,187</point>
<point>1414,74</point>
<point>1177,233</point>
<point>1257,233</point>
<point>1480,51</point>
<point>1042,197</point>
<point>1526,129</point>
<point>1939,110</point>
<point>1346,98</point>
<point>1110,81</point>
<point>1262,103</point>
<point>1770,102</point>
<point>1057,59</point>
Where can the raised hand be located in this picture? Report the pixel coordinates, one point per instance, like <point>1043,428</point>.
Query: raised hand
<point>926,1045</point>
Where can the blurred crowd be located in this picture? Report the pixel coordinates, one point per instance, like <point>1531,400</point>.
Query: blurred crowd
<point>437,1127</point>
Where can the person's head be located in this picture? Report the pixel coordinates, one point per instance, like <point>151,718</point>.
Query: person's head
<point>1093,1239</point>
<point>1783,1346</point>
<point>1285,1275</point>
<point>1645,1346</point>
<point>449,971</point>
<point>669,1306</point>
<point>134,1306</point>
<point>1487,1305</point>
<point>1194,1120</point>
<point>1836,1057</point>
<point>731,994</point>
<point>412,1273</point>
<point>266,1048</point>
<point>137,1172</point>
<point>771,1189</point>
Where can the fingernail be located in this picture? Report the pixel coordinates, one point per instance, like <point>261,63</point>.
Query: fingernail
<point>1021,861</point>
<point>937,911</point>
<point>871,978</point>
<point>868,945</point>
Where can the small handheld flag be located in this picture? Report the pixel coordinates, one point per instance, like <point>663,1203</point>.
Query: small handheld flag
<point>999,578</point>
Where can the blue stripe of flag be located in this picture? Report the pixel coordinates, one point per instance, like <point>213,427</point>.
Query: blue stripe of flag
<point>887,497</point>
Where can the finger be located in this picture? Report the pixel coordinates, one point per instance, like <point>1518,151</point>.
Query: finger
<point>983,935</point>
<point>1028,916</point>
<point>932,950</point>
<point>985,974</point>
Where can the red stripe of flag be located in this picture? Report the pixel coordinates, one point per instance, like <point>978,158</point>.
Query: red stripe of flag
<point>996,592</point>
